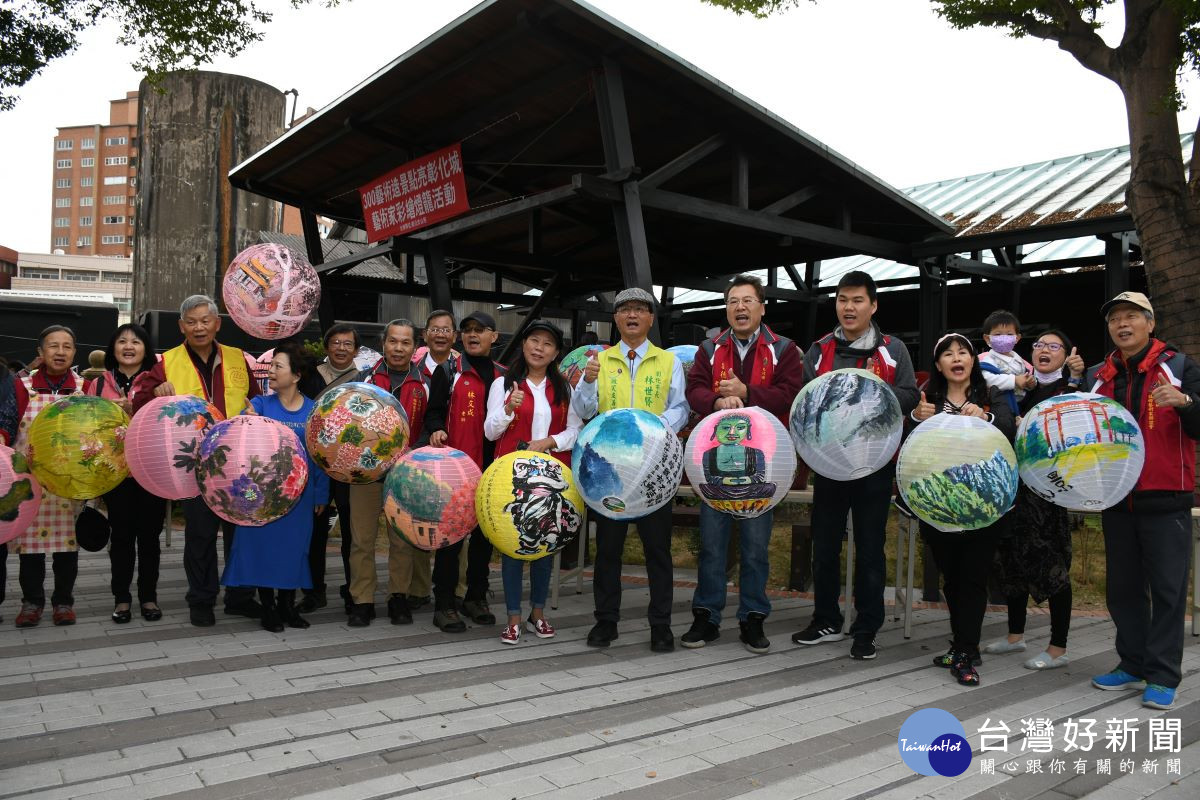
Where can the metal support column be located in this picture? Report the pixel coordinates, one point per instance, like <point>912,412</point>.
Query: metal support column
<point>316,256</point>
<point>932,304</point>
<point>1116,264</point>
<point>812,278</point>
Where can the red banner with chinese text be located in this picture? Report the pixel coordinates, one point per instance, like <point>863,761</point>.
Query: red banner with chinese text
<point>415,195</point>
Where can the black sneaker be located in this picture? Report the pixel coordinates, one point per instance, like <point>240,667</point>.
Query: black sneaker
<point>752,636</point>
<point>863,648</point>
<point>702,631</point>
<point>312,600</point>
<point>398,610</point>
<point>360,615</point>
<point>963,669</point>
<point>817,633</point>
<point>247,608</point>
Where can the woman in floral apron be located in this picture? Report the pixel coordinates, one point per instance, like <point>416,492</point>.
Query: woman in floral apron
<point>53,529</point>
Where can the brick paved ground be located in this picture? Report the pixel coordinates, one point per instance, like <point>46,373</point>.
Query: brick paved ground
<point>162,709</point>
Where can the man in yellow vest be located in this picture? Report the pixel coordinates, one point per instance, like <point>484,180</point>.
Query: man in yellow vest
<point>219,374</point>
<point>634,374</point>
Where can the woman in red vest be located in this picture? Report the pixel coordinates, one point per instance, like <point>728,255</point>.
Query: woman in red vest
<point>529,408</point>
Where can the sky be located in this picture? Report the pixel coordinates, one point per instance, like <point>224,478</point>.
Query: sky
<point>885,83</point>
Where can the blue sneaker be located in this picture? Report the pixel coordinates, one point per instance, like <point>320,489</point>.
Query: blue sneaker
<point>1157,696</point>
<point>1117,681</point>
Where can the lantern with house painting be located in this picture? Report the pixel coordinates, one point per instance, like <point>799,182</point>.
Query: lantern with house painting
<point>77,447</point>
<point>528,505</point>
<point>20,494</point>
<point>574,362</point>
<point>429,496</point>
<point>271,291</point>
<point>957,473</point>
<point>356,432</point>
<point>846,424</point>
<point>1081,451</point>
<point>627,463</point>
<point>740,461</point>
<point>163,444</point>
<point>251,470</point>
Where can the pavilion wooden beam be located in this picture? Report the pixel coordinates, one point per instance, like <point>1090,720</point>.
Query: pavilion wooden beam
<point>683,161</point>
<point>970,266</point>
<point>790,201</point>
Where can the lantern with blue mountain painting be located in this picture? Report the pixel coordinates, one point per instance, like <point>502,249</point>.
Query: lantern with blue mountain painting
<point>627,463</point>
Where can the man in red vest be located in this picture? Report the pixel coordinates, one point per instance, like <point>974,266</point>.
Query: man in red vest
<point>745,365</point>
<point>1148,535</point>
<point>457,410</point>
<point>857,342</point>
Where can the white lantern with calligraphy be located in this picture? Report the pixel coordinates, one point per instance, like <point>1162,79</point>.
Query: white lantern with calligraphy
<point>627,463</point>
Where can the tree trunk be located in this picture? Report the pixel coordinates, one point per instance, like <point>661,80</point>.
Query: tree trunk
<point>1163,209</point>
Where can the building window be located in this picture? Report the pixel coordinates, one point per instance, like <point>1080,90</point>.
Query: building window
<point>123,304</point>
<point>83,275</point>
<point>62,183</point>
<point>115,161</point>
<point>84,241</point>
<point>85,222</point>
<point>87,162</point>
<point>39,274</point>
<point>62,163</point>
<point>117,277</point>
<point>61,241</point>
<point>87,181</point>
<point>87,144</point>
<point>113,180</point>
<point>116,239</point>
<point>113,141</point>
<point>114,220</point>
<point>62,202</point>
<point>64,144</point>
<point>62,222</point>
<point>114,199</point>
<point>87,201</point>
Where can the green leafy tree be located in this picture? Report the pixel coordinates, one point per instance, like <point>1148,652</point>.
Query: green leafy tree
<point>168,34</point>
<point>1160,40</point>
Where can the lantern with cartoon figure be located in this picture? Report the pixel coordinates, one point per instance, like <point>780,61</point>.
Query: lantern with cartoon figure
<point>528,506</point>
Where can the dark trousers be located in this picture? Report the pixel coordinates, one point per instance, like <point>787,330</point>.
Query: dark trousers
<point>136,517</point>
<point>1060,615</point>
<point>445,570</point>
<point>868,500</point>
<point>965,561</point>
<point>1148,556</point>
<point>655,531</point>
<point>3,569</point>
<point>33,578</point>
<point>320,538</point>
<point>200,556</point>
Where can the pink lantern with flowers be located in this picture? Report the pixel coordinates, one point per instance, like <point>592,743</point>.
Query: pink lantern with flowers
<point>429,496</point>
<point>251,470</point>
<point>163,441</point>
<point>271,291</point>
<point>20,494</point>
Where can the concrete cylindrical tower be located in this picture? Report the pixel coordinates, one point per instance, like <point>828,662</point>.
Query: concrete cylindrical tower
<point>192,129</point>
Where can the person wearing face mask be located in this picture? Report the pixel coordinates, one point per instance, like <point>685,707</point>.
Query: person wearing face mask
<point>1148,535</point>
<point>1035,557</point>
<point>397,374</point>
<point>1002,368</point>
<point>53,529</point>
<point>956,386</point>
<point>457,411</point>
<point>135,515</point>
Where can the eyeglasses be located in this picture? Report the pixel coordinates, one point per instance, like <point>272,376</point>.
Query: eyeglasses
<point>439,330</point>
<point>631,309</point>
<point>1053,347</point>
<point>748,302</point>
<point>336,345</point>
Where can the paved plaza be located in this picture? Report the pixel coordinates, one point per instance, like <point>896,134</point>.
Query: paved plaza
<point>149,710</point>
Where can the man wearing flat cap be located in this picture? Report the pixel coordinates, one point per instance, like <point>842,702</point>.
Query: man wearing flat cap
<point>457,410</point>
<point>634,374</point>
<point>1148,535</point>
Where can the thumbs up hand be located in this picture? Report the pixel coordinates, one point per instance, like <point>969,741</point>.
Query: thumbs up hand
<point>592,370</point>
<point>924,409</point>
<point>1075,364</point>
<point>515,398</point>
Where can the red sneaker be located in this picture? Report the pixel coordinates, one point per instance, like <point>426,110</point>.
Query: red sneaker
<point>64,615</point>
<point>29,615</point>
<point>511,634</point>
<point>540,628</point>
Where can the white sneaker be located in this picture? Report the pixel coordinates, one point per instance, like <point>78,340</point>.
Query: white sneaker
<point>1001,646</point>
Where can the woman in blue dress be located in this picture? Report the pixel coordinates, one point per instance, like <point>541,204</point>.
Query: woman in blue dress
<point>274,557</point>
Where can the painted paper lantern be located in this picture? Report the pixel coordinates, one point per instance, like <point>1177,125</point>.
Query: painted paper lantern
<point>20,494</point>
<point>573,363</point>
<point>271,291</point>
<point>740,461</point>
<point>627,462</point>
<point>1080,451</point>
<point>260,371</point>
<point>846,424</point>
<point>163,443</point>
<point>77,447</point>
<point>957,473</point>
<point>251,470</point>
<point>366,358</point>
<point>356,432</point>
<point>429,496</point>
<point>528,505</point>
<point>686,353</point>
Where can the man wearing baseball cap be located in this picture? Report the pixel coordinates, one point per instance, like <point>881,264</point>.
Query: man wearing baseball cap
<point>634,374</point>
<point>1148,535</point>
